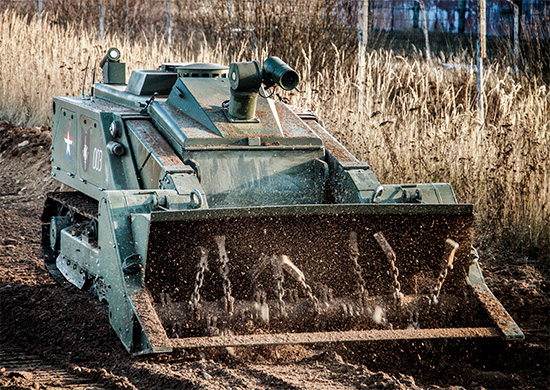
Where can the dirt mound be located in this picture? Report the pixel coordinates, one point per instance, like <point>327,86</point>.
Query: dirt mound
<point>18,141</point>
<point>69,329</point>
<point>24,161</point>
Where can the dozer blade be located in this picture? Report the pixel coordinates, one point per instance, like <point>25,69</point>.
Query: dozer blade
<point>312,274</point>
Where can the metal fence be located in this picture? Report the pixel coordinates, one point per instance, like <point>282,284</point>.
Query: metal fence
<point>446,16</point>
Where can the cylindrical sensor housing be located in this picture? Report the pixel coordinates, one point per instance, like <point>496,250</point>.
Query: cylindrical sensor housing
<point>276,71</point>
<point>245,76</point>
<point>242,104</point>
<point>112,55</point>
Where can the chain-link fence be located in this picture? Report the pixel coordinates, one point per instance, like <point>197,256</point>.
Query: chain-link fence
<point>449,16</point>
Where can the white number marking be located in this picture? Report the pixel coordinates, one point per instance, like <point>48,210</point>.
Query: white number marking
<point>97,160</point>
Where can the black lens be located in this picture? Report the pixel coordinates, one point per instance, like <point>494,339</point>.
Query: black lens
<point>289,80</point>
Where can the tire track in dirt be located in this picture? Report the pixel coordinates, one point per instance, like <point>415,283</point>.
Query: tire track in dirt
<point>28,371</point>
<point>247,376</point>
<point>293,377</point>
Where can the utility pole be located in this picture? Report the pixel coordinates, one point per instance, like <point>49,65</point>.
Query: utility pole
<point>425,29</point>
<point>126,26</point>
<point>101,25</point>
<point>39,8</point>
<point>363,36</point>
<point>168,25</point>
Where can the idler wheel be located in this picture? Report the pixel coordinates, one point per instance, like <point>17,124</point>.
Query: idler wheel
<point>57,224</point>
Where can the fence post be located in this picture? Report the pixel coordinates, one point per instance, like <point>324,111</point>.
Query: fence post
<point>363,36</point>
<point>168,25</point>
<point>461,16</point>
<point>101,25</point>
<point>481,55</point>
<point>416,9</point>
<point>516,34</point>
<point>39,8</point>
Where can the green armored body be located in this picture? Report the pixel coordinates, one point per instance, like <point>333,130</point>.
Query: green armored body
<point>206,214</point>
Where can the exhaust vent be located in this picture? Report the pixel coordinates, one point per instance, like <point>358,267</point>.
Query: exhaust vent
<point>202,70</point>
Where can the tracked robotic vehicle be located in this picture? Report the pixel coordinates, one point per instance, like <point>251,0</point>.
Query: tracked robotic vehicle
<point>208,215</point>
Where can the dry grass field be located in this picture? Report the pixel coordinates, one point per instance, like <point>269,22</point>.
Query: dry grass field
<point>418,122</point>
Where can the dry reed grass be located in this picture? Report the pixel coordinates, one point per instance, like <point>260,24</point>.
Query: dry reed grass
<point>418,122</point>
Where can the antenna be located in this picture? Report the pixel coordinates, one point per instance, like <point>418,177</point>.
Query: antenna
<point>92,92</point>
<point>84,82</point>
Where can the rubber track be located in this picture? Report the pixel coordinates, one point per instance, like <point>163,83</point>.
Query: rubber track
<point>37,372</point>
<point>77,202</point>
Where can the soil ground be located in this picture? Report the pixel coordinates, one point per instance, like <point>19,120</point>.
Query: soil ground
<point>54,337</point>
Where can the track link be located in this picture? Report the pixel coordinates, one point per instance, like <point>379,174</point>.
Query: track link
<point>77,203</point>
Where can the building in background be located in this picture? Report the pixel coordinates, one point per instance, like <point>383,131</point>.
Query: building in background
<point>460,16</point>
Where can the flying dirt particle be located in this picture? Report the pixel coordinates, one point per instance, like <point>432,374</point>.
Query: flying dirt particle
<point>378,315</point>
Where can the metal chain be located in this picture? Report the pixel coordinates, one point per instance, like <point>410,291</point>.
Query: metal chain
<point>257,270</point>
<point>311,297</point>
<point>228,301</point>
<point>390,254</point>
<point>450,249</point>
<point>354,256</point>
<point>474,255</point>
<point>279,279</point>
<point>199,278</point>
<point>299,276</point>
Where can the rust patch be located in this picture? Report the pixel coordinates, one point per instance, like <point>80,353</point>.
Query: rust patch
<point>155,143</point>
<point>498,313</point>
<point>332,145</point>
<point>291,124</point>
<point>188,126</point>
